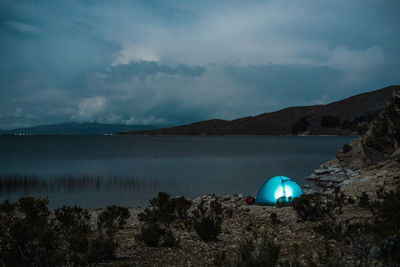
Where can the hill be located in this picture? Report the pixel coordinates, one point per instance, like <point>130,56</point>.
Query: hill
<point>337,118</point>
<point>74,128</point>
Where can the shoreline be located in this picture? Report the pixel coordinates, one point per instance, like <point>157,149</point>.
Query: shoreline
<point>300,239</point>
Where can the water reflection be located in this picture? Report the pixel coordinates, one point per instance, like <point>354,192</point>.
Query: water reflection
<point>27,184</point>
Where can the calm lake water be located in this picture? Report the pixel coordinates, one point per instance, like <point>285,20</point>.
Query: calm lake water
<point>97,171</point>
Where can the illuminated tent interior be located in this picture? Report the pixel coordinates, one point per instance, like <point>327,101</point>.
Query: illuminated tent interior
<point>278,187</point>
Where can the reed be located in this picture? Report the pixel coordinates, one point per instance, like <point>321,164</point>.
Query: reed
<point>28,183</point>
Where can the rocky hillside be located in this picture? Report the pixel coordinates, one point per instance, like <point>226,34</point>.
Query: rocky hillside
<point>379,140</point>
<point>369,163</point>
<point>338,118</point>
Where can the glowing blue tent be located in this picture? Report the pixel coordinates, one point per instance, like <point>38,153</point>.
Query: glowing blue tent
<point>278,187</point>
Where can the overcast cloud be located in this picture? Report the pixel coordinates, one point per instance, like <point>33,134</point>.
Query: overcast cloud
<point>174,62</point>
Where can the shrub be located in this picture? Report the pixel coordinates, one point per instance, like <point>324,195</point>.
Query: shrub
<point>28,237</point>
<point>339,197</point>
<point>346,148</point>
<point>112,219</point>
<point>215,208</point>
<point>301,126</point>
<point>364,200</point>
<point>390,250</point>
<point>220,259</point>
<point>101,249</point>
<point>208,219</point>
<point>274,218</point>
<point>331,230</point>
<point>150,234</point>
<point>362,128</point>
<point>181,206</point>
<point>169,240</point>
<point>208,228</point>
<point>253,253</point>
<point>74,229</point>
<point>31,236</point>
<point>163,212</point>
<point>385,225</point>
<point>310,207</point>
<point>387,213</point>
<point>329,258</point>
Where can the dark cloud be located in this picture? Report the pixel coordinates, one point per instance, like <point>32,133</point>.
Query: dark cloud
<point>144,69</point>
<point>172,62</point>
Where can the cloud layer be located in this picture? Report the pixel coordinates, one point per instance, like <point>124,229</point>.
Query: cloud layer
<point>174,62</point>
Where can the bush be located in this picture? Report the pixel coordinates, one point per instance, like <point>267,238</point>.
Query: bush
<point>310,207</point>
<point>112,219</point>
<point>274,218</point>
<point>101,249</point>
<point>163,212</point>
<point>329,258</point>
<point>331,230</point>
<point>220,259</point>
<point>301,126</point>
<point>73,224</point>
<point>169,240</point>
<point>151,234</point>
<point>181,206</point>
<point>390,250</point>
<point>208,220</point>
<point>346,148</point>
<point>362,128</point>
<point>28,236</point>
<point>31,236</point>
<point>364,201</point>
<point>264,253</point>
<point>385,226</point>
<point>339,197</point>
<point>208,228</point>
<point>387,213</point>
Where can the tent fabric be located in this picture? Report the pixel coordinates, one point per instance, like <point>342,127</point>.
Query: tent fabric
<point>277,187</point>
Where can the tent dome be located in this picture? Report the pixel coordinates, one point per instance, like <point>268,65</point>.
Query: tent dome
<point>277,187</point>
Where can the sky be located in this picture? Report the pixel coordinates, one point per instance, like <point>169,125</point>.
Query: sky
<point>175,62</point>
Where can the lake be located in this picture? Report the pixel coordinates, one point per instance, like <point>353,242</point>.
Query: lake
<point>97,171</point>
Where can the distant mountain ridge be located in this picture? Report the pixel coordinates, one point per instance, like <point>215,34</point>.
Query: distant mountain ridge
<point>337,118</point>
<point>74,128</point>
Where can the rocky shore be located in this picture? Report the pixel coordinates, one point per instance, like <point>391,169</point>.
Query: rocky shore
<point>301,241</point>
<point>385,176</point>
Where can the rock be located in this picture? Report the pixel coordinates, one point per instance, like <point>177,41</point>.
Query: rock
<point>335,169</point>
<point>382,173</point>
<point>367,178</point>
<point>321,171</point>
<point>197,200</point>
<point>333,179</point>
<point>226,197</point>
<point>312,177</point>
